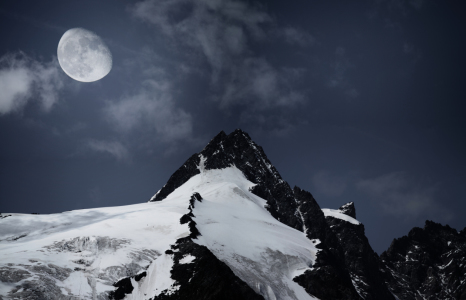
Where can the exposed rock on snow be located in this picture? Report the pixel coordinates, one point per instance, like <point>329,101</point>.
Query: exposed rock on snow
<point>348,209</point>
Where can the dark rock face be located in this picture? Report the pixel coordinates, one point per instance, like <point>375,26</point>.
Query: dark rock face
<point>329,279</point>
<point>315,226</point>
<point>206,277</point>
<point>124,286</point>
<point>348,209</point>
<point>429,263</point>
<point>361,261</point>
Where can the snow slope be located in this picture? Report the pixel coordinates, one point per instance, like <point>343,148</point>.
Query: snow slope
<point>82,253</point>
<point>336,213</point>
<point>236,227</point>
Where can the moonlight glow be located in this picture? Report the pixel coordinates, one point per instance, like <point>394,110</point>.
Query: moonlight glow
<point>83,55</point>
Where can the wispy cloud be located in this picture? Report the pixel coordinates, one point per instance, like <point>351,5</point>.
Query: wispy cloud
<point>217,29</point>
<point>401,196</point>
<point>151,108</point>
<point>339,78</point>
<point>114,148</point>
<point>296,36</point>
<point>257,83</point>
<point>221,34</point>
<point>23,79</point>
<point>329,184</point>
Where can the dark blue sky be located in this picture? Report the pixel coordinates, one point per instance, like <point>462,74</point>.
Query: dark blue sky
<point>358,101</point>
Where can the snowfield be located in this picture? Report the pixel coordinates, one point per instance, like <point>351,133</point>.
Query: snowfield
<point>80,254</point>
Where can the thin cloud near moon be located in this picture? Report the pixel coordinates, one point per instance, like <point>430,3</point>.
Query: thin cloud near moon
<point>83,55</point>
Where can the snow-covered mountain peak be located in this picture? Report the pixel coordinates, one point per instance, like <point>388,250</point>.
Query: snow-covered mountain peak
<point>85,254</point>
<point>236,149</point>
<point>234,225</point>
<point>295,208</point>
<point>225,226</point>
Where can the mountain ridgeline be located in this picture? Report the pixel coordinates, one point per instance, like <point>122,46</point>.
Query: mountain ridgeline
<point>429,263</point>
<point>225,226</point>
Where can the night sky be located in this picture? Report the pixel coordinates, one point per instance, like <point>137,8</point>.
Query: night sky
<point>359,101</point>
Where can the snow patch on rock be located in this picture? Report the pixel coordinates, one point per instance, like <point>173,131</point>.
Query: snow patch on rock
<point>339,215</point>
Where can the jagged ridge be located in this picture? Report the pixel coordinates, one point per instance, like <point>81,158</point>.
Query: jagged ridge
<point>429,262</point>
<point>296,208</point>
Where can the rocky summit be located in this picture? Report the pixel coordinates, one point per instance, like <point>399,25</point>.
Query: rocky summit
<point>428,263</point>
<point>224,226</point>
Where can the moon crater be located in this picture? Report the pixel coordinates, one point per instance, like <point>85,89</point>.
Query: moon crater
<point>83,55</point>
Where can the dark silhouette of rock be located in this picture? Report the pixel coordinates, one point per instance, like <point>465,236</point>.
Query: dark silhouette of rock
<point>348,209</point>
<point>361,260</point>
<point>428,263</point>
<point>123,286</point>
<point>329,279</point>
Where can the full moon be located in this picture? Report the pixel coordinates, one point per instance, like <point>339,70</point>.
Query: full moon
<point>83,55</point>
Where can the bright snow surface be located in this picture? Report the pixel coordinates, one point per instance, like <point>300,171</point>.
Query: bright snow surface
<point>83,252</point>
<point>339,215</point>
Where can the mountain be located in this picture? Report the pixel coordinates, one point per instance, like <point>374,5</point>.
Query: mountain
<point>224,226</point>
<point>429,263</point>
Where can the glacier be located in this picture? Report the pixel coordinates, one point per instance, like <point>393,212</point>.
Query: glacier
<point>80,254</point>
